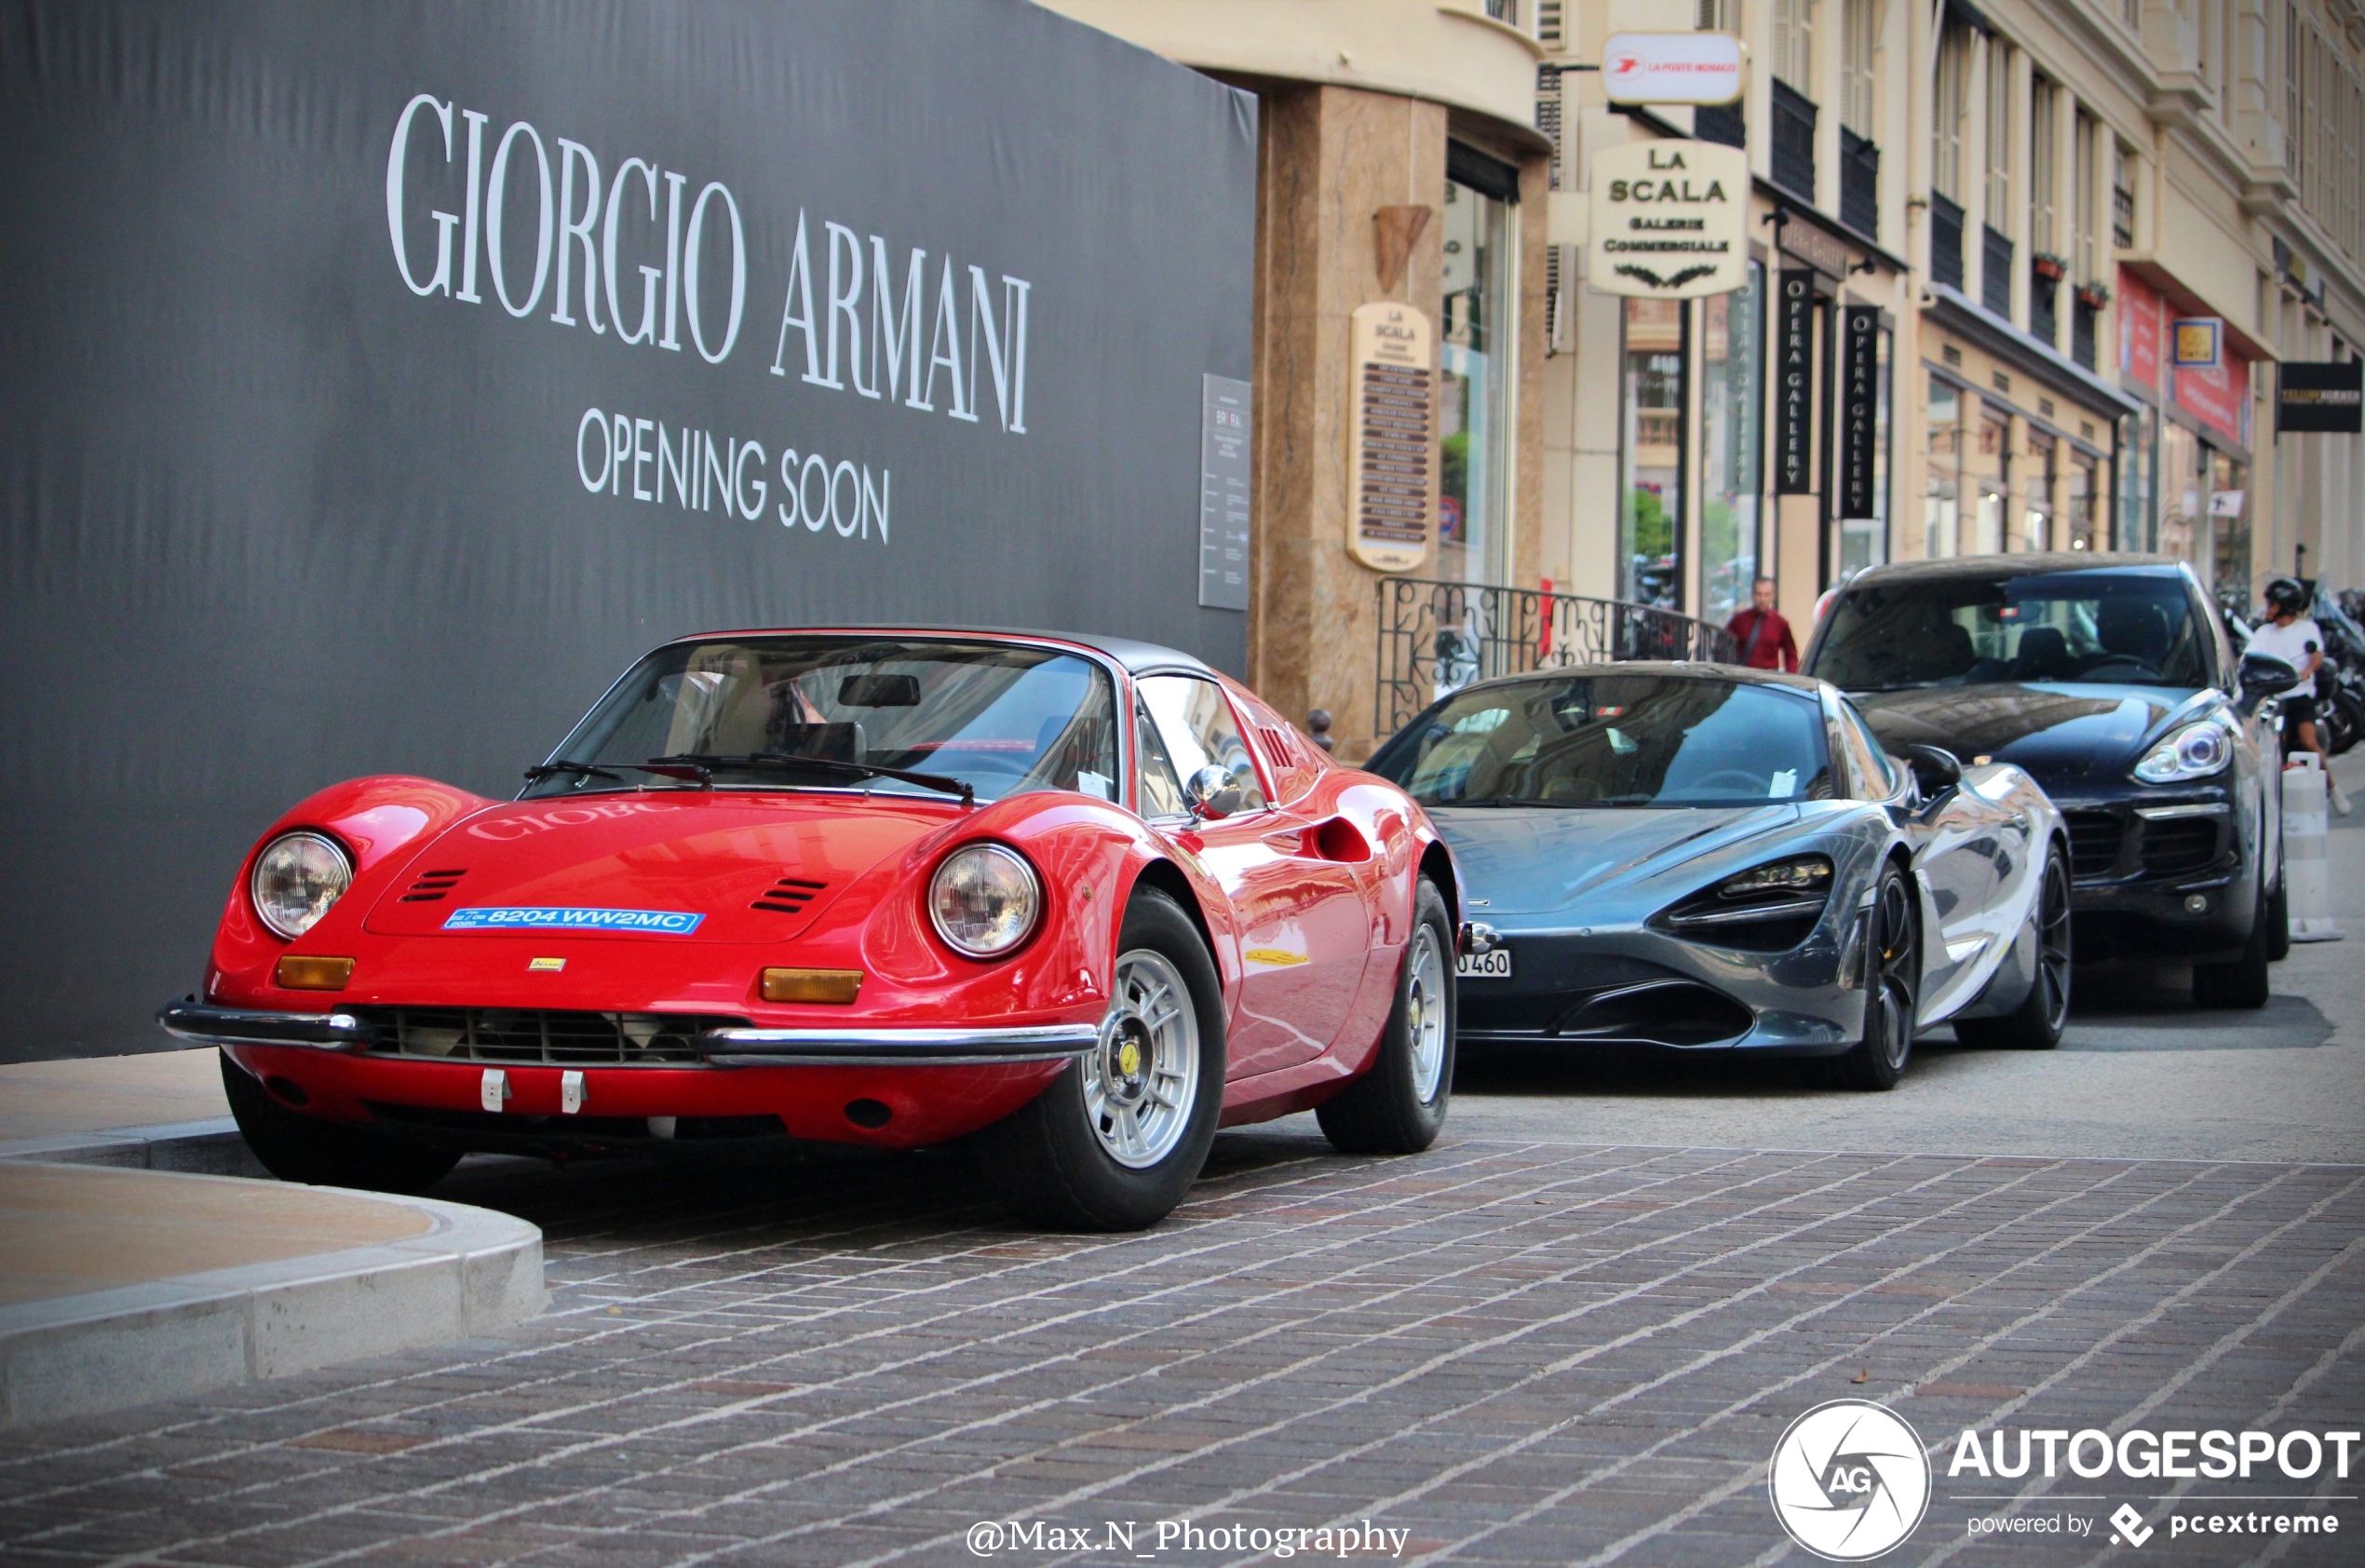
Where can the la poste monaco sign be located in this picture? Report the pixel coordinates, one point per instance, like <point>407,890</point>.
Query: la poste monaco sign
<point>1670,220</point>
<point>1671,67</point>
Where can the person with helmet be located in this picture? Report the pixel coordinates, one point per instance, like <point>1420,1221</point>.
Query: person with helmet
<point>2291,634</point>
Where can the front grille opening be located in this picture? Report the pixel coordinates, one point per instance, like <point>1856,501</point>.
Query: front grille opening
<point>494,1127</point>
<point>2095,837</point>
<point>788,895</point>
<point>2178,845</point>
<point>520,1035</point>
<point>432,885</point>
<point>1665,1013</point>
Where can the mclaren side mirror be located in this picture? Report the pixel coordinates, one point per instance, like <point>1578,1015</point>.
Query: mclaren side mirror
<point>1211,794</point>
<point>2263,675</point>
<point>1936,770</point>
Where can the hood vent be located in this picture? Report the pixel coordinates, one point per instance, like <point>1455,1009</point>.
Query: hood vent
<point>432,885</point>
<point>788,895</point>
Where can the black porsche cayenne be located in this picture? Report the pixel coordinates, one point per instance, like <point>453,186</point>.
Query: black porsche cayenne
<point>2108,679</point>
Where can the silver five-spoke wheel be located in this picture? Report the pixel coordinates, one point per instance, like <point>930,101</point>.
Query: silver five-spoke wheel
<point>1142,1078</point>
<point>1425,1011</point>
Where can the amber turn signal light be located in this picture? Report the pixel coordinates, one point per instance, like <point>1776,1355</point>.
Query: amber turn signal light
<point>294,973</point>
<point>811,985</point>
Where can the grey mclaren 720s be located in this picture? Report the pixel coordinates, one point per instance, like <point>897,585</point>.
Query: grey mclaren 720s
<point>1709,859</point>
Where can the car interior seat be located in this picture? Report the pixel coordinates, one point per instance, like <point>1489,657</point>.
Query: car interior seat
<point>2044,653</point>
<point>2132,629</point>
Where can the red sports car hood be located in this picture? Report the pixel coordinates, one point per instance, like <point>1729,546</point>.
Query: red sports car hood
<point>699,866</point>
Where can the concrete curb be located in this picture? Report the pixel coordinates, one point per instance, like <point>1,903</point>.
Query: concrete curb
<point>474,1272</point>
<point>211,1147</point>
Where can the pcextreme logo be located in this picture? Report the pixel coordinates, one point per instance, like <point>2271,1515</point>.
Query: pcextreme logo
<point>1849,1480</point>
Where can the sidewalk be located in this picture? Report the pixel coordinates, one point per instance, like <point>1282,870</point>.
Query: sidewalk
<point>118,1286</point>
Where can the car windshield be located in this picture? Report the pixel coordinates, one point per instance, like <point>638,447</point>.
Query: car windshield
<point>2116,628</point>
<point>823,712</point>
<point>1614,740</point>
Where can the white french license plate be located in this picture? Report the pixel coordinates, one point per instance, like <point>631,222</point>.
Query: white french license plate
<point>1492,965</point>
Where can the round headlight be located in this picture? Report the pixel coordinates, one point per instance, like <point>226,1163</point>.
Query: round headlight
<point>296,878</point>
<point>2195,751</point>
<point>985,900</point>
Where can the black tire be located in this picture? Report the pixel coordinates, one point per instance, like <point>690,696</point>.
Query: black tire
<point>2279,923</point>
<point>2037,1023</point>
<point>2345,722</point>
<point>1892,994</point>
<point>2244,983</point>
<point>1398,1107</point>
<point>295,1148</point>
<point>1051,1163</point>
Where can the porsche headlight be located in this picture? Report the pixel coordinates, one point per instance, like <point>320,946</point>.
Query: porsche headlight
<point>2195,751</point>
<point>296,878</point>
<point>985,900</point>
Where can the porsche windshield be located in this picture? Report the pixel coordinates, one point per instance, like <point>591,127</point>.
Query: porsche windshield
<point>1614,740</point>
<point>815,712</point>
<point>2135,628</point>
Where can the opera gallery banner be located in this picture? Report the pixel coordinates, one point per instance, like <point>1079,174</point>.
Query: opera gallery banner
<point>380,380</point>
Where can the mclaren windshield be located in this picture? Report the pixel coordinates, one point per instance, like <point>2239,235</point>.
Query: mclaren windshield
<point>2132,629</point>
<point>1614,740</point>
<point>897,715</point>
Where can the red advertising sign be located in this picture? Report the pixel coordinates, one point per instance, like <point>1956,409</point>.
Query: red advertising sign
<point>2218,396</point>
<point>2139,330</point>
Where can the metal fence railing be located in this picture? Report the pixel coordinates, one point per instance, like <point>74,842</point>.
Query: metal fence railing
<point>1436,638</point>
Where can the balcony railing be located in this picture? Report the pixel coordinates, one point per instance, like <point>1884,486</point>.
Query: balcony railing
<point>1794,142</point>
<point>2044,297</point>
<point>1437,638</point>
<point>1859,184</point>
<point>1946,241</point>
<point>1996,271</point>
<point>2081,318</point>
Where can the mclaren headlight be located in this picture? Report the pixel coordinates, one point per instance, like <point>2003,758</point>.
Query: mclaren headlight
<point>2199,751</point>
<point>1766,909</point>
<point>985,900</point>
<point>296,878</point>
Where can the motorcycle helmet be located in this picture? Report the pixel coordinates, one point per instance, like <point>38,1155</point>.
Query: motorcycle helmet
<point>2284,594</point>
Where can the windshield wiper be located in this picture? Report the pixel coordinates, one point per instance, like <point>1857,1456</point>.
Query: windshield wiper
<point>541,771</point>
<point>703,760</point>
<point>688,772</point>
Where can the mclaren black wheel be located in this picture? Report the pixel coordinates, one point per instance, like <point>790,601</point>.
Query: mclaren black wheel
<point>1892,994</point>
<point>2037,1023</point>
<point>295,1148</point>
<point>1119,1137</point>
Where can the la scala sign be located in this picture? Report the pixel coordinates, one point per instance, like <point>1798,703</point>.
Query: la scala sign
<point>1670,220</point>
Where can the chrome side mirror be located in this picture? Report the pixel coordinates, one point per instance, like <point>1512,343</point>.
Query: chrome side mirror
<point>1934,769</point>
<point>1211,794</point>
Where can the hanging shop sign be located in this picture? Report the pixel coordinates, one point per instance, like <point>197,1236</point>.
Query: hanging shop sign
<point>1670,220</point>
<point>1795,383</point>
<point>2197,339</point>
<point>1859,410</point>
<point>1671,67</point>
<point>1391,482</point>
<point>2320,395</point>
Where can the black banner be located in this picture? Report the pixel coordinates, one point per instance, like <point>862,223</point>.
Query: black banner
<point>1860,410</point>
<point>382,379</point>
<point>2322,395</point>
<point>1795,382</point>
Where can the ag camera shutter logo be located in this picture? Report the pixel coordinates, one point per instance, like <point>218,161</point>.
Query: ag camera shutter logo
<point>1849,1480</point>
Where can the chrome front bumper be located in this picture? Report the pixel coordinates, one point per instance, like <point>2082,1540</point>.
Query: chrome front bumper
<point>191,1020</point>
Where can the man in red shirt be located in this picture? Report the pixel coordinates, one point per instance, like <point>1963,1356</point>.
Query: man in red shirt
<point>1764,635</point>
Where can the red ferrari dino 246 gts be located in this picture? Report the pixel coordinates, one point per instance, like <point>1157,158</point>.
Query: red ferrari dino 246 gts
<point>1078,900</point>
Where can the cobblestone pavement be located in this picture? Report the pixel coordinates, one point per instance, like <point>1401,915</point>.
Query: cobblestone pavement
<point>1510,1352</point>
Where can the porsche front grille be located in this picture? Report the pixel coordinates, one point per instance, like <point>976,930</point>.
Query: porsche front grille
<point>2095,837</point>
<point>518,1035</point>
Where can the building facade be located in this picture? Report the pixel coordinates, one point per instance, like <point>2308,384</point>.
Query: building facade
<point>2020,275</point>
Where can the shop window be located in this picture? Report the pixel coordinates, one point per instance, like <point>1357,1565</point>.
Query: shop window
<point>2139,467</point>
<point>2036,513</point>
<point>1731,436</point>
<point>1652,398</point>
<point>1943,488</point>
<point>2229,520</point>
<point>1474,500</point>
<point>2078,509</point>
<point>2184,522</point>
<point>1988,468</point>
